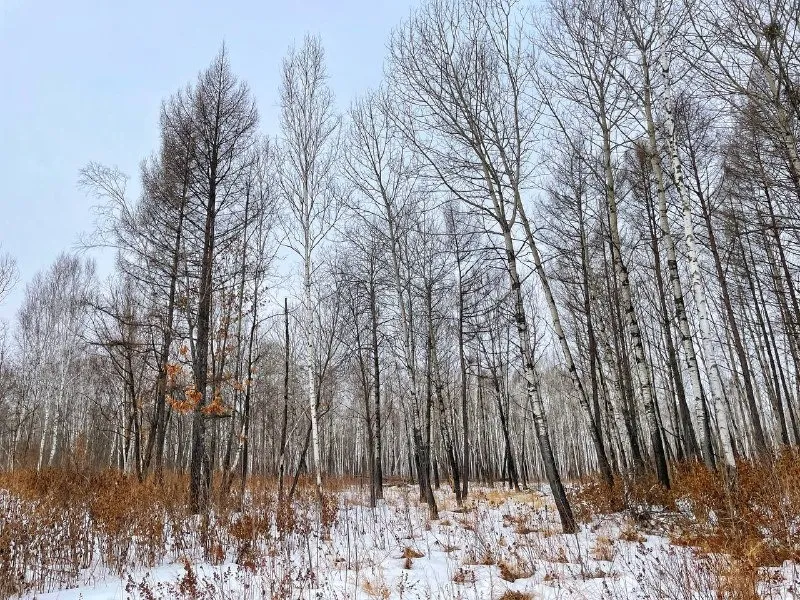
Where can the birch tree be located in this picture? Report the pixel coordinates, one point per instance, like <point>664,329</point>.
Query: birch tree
<point>646,26</point>
<point>9,274</point>
<point>708,351</point>
<point>309,143</point>
<point>383,172</point>
<point>592,31</point>
<point>459,112</point>
<point>52,319</point>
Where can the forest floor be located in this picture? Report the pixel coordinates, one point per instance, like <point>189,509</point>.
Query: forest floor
<point>500,544</point>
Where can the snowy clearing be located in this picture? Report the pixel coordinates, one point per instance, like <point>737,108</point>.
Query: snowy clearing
<point>501,545</point>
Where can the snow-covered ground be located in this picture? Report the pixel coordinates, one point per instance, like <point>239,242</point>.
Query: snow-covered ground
<point>499,543</point>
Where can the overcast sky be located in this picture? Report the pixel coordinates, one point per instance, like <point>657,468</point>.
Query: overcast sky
<point>83,81</point>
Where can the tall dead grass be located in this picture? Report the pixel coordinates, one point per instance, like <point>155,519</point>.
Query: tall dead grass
<point>60,522</point>
<point>745,527</point>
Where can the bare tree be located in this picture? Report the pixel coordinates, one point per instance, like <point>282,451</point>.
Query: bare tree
<point>459,109</point>
<point>224,118</point>
<point>382,172</point>
<point>9,275</point>
<point>309,146</point>
<point>593,32</point>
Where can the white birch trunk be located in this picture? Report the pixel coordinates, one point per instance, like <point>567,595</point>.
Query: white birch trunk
<point>54,445</point>
<point>583,398</point>
<point>408,355</point>
<point>43,442</point>
<point>789,139</point>
<point>308,327</point>
<point>698,291</point>
<point>529,373</point>
<point>640,361</point>
<point>672,267</point>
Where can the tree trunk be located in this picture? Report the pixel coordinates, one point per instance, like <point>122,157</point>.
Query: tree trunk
<point>285,416</point>
<point>674,275</point>
<point>642,367</point>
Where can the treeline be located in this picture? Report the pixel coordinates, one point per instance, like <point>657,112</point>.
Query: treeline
<point>558,239</point>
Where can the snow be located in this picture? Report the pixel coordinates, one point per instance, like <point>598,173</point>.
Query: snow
<point>472,553</point>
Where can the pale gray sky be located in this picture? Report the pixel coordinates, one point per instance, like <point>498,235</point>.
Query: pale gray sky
<point>83,80</point>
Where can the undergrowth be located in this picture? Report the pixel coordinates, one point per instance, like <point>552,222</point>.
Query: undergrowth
<point>58,525</point>
<point>59,522</point>
<point>745,525</point>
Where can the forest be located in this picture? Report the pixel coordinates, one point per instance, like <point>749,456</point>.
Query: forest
<point>545,277</point>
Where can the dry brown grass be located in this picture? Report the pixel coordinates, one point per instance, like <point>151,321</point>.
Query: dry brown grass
<point>464,576</point>
<point>60,521</point>
<point>409,552</point>
<point>513,569</point>
<point>516,595</point>
<point>376,588</point>
<point>738,580</point>
<point>603,549</point>
<point>629,533</point>
<point>752,520</point>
